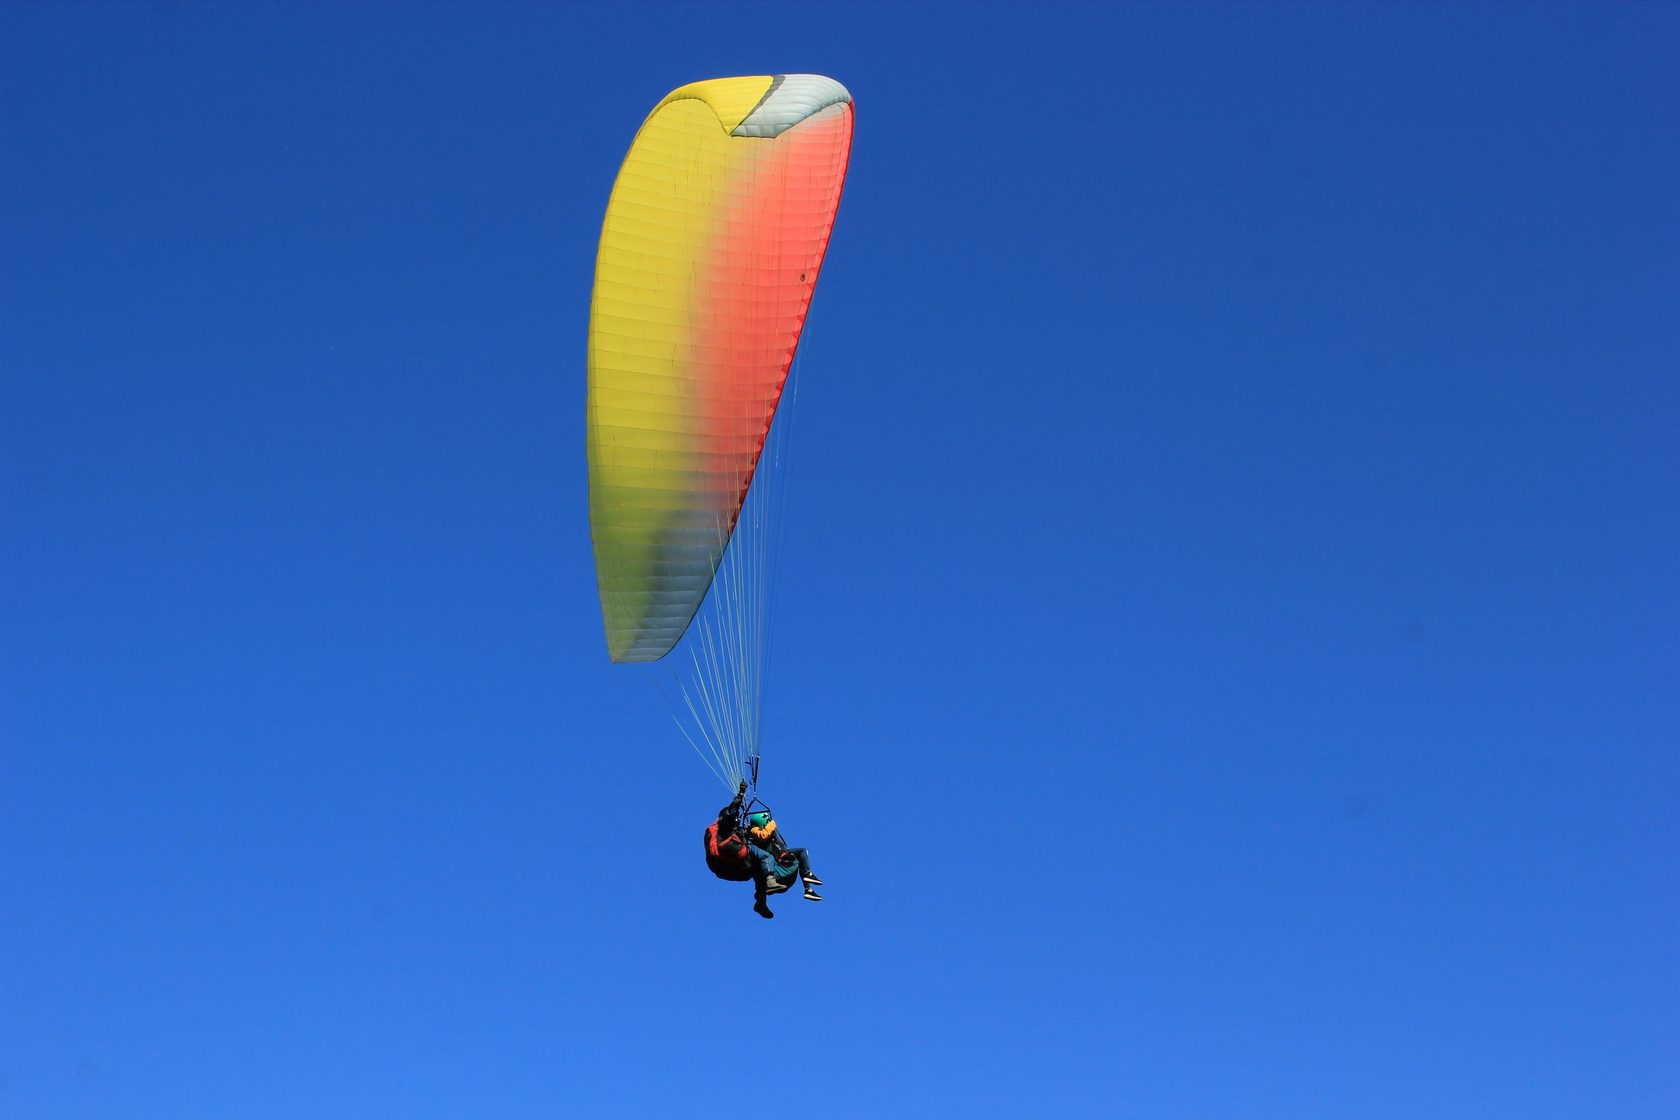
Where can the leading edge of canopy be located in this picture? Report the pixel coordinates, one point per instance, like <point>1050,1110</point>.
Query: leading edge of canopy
<point>764,106</point>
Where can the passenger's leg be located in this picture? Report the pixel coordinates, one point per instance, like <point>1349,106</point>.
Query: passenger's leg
<point>805,871</point>
<point>765,870</point>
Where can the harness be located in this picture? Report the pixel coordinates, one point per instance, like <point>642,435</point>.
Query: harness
<point>739,838</point>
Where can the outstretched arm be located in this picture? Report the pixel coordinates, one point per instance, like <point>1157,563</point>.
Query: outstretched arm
<point>731,813</point>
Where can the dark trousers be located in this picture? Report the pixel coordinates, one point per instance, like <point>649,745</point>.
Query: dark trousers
<point>766,866</point>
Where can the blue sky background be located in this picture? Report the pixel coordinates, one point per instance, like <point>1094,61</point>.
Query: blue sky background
<point>1227,659</point>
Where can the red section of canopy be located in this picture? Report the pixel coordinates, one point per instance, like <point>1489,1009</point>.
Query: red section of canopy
<point>757,287</point>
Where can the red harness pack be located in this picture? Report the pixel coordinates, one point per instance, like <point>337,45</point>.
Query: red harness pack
<point>727,857</point>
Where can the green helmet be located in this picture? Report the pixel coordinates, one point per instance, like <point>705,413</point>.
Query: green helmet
<point>759,819</point>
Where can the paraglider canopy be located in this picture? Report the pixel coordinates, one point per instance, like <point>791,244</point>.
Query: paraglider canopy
<point>709,254</point>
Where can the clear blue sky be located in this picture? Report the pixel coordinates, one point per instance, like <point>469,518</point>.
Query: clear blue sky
<point>1227,665</point>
